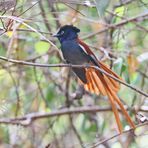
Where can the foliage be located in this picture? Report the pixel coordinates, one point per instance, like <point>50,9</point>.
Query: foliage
<point>116,30</point>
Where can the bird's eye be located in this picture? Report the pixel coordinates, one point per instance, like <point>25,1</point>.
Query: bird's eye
<point>62,32</point>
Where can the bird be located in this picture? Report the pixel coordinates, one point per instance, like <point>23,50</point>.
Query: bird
<point>77,52</point>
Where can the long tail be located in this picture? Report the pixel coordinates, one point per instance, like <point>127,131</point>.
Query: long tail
<point>100,83</point>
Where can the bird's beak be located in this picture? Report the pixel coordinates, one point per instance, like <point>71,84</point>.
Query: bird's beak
<point>56,35</point>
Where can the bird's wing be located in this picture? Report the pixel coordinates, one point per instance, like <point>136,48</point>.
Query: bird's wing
<point>96,75</point>
<point>98,82</point>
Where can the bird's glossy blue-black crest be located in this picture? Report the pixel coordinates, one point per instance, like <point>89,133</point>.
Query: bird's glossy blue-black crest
<point>70,27</point>
<point>67,32</point>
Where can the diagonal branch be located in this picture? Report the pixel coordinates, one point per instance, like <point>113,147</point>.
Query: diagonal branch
<point>138,18</point>
<point>76,66</point>
<point>117,135</point>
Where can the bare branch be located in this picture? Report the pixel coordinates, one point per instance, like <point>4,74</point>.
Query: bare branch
<point>76,66</point>
<point>29,118</point>
<point>115,136</point>
<point>138,18</point>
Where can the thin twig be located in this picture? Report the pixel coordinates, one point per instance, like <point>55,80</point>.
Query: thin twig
<point>28,9</point>
<point>38,84</point>
<point>67,85</point>
<point>22,21</point>
<point>44,16</point>
<point>26,30</point>
<point>75,131</point>
<point>138,18</point>
<point>117,135</point>
<point>124,18</point>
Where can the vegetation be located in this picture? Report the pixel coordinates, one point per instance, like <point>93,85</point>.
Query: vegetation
<point>43,105</point>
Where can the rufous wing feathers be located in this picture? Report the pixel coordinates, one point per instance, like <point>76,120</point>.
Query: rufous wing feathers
<point>100,83</point>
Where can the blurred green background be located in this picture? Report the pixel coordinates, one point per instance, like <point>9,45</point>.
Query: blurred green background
<point>116,31</point>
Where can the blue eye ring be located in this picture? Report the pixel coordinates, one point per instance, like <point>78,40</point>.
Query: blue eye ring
<point>62,32</point>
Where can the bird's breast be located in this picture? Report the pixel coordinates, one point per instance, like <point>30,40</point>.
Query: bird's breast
<point>73,54</point>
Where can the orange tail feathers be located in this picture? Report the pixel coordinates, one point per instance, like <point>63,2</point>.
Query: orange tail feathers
<point>100,83</point>
<point>116,113</point>
<point>112,95</point>
<point>123,109</point>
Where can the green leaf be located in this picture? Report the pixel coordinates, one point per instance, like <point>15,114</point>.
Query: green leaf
<point>119,66</point>
<point>2,51</point>
<point>120,11</point>
<point>123,68</point>
<point>101,6</point>
<point>41,47</point>
<point>50,92</point>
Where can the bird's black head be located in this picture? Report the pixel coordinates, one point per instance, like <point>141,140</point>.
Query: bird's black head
<point>67,32</point>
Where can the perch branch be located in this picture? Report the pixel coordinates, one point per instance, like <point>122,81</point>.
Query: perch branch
<point>29,118</point>
<point>76,66</point>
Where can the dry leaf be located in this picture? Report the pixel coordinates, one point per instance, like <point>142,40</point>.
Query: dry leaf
<point>132,63</point>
